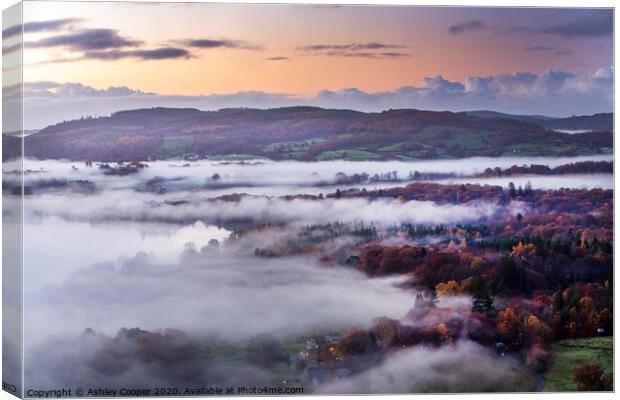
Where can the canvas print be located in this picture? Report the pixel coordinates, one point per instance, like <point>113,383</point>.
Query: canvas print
<point>294,199</point>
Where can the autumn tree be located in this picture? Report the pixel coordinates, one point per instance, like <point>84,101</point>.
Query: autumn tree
<point>606,320</point>
<point>386,331</point>
<point>508,326</point>
<point>357,342</point>
<point>444,333</point>
<point>592,377</point>
<point>450,288</point>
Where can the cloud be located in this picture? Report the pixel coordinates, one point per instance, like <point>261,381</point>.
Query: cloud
<point>554,93</point>
<point>597,25</point>
<point>9,49</point>
<point>278,58</point>
<point>441,84</point>
<point>350,47</point>
<point>38,26</point>
<point>220,43</point>
<point>524,29</point>
<point>75,90</point>
<point>152,54</point>
<point>86,40</point>
<point>549,49</point>
<point>359,50</point>
<point>360,54</point>
<point>108,45</point>
<point>162,53</point>
<point>540,48</point>
<point>468,26</point>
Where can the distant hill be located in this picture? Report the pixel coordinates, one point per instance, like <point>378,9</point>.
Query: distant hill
<point>603,122</point>
<point>596,122</point>
<point>302,133</point>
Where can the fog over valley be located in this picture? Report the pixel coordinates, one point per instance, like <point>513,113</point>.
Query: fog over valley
<point>220,253</point>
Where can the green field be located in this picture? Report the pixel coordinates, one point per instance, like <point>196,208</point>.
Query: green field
<point>569,354</point>
<point>349,155</point>
<point>235,157</point>
<point>393,147</point>
<point>293,146</point>
<point>173,146</point>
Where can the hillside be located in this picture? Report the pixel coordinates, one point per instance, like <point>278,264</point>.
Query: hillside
<point>603,122</point>
<point>302,133</point>
<point>596,122</point>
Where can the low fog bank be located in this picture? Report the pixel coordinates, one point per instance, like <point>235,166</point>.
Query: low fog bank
<point>124,256</point>
<point>213,293</point>
<point>131,359</point>
<point>116,206</point>
<point>590,181</point>
<point>50,262</point>
<point>135,358</point>
<point>138,360</point>
<point>186,175</point>
<point>465,367</point>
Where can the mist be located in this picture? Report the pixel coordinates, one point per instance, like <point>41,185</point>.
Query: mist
<point>169,250</point>
<point>259,173</point>
<point>213,294</point>
<point>590,181</point>
<point>383,211</point>
<point>465,367</point>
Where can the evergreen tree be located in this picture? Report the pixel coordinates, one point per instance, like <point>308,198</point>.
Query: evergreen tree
<point>432,297</point>
<point>558,300</point>
<point>510,274</point>
<point>511,189</point>
<point>528,188</point>
<point>482,301</point>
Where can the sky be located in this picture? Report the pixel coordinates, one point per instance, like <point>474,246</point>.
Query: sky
<point>83,58</point>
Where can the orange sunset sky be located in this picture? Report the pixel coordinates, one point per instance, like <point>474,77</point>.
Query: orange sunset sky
<point>272,45</point>
<point>93,58</point>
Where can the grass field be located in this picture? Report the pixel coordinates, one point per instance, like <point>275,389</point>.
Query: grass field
<point>235,157</point>
<point>569,354</point>
<point>174,146</point>
<point>293,146</point>
<point>349,155</point>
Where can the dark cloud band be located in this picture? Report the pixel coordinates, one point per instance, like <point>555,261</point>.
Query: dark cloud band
<point>356,50</point>
<point>163,53</point>
<point>596,26</point>
<point>220,44</point>
<point>38,26</point>
<point>349,47</point>
<point>468,26</point>
<point>87,39</point>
